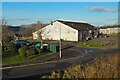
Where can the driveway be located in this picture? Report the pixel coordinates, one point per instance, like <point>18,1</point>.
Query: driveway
<point>36,70</point>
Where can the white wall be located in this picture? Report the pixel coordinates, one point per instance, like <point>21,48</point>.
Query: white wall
<point>104,31</point>
<point>68,33</point>
<point>110,30</point>
<point>35,36</point>
<point>52,32</point>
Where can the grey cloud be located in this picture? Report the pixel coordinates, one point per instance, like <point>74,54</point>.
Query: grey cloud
<point>102,9</point>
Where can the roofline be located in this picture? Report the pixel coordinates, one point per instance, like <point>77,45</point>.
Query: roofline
<point>71,21</point>
<point>65,21</point>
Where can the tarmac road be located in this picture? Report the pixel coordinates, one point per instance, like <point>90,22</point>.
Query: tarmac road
<point>38,69</point>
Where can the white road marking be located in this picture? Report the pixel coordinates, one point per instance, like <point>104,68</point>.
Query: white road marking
<point>36,63</point>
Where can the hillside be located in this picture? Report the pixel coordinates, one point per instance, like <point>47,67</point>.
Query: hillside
<point>15,29</point>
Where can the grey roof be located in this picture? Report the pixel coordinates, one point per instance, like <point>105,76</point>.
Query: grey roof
<point>105,27</point>
<point>78,25</point>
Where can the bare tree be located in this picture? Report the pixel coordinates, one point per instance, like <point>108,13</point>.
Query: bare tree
<point>27,31</point>
<point>7,34</point>
<point>38,25</point>
<point>42,32</point>
<point>0,32</point>
<point>4,22</point>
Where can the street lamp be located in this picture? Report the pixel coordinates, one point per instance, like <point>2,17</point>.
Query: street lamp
<point>60,55</point>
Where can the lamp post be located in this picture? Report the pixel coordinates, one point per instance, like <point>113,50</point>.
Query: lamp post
<point>60,55</point>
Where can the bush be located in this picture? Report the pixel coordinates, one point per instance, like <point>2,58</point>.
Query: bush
<point>28,54</point>
<point>55,75</point>
<point>101,67</point>
<point>12,48</point>
<point>34,51</point>
<point>22,51</point>
<point>39,50</point>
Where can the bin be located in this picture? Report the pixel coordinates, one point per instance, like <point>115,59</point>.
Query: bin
<point>38,45</point>
<point>45,48</point>
<point>53,48</point>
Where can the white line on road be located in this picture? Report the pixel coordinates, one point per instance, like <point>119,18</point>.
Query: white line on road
<point>36,63</point>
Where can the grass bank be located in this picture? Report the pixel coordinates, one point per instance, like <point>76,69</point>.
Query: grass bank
<point>92,44</point>
<point>101,42</point>
<point>16,59</point>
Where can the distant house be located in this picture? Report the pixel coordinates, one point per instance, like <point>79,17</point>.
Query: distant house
<point>66,30</point>
<point>109,29</point>
<point>17,36</point>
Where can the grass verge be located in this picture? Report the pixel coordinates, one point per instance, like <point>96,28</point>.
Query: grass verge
<point>16,59</point>
<point>92,44</point>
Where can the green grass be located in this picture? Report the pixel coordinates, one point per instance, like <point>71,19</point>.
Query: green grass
<point>117,34</point>
<point>92,44</point>
<point>12,60</point>
<point>17,59</point>
<point>39,56</point>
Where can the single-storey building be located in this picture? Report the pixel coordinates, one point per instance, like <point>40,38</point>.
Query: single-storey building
<point>109,29</point>
<point>66,30</point>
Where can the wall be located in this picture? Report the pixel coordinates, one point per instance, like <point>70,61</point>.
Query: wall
<point>35,36</point>
<point>110,30</point>
<point>104,31</point>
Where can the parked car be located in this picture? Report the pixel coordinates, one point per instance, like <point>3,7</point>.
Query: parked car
<point>88,38</point>
<point>96,36</point>
<point>104,35</point>
<point>22,42</point>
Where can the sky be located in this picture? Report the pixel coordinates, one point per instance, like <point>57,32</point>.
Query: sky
<point>96,13</point>
<point>60,0</point>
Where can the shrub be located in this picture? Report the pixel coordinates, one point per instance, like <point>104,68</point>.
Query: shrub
<point>39,50</point>
<point>12,48</point>
<point>102,67</point>
<point>28,54</point>
<point>34,51</point>
<point>55,75</point>
<point>22,51</point>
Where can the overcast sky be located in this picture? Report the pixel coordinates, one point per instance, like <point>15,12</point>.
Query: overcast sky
<point>96,13</point>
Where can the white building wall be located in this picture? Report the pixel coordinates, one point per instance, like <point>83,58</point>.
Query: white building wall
<point>59,30</point>
<point>104,31</point>
<point>68,33</point>
<point>35,36</point>
<point>110,30</point>
<point>117,30</point>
